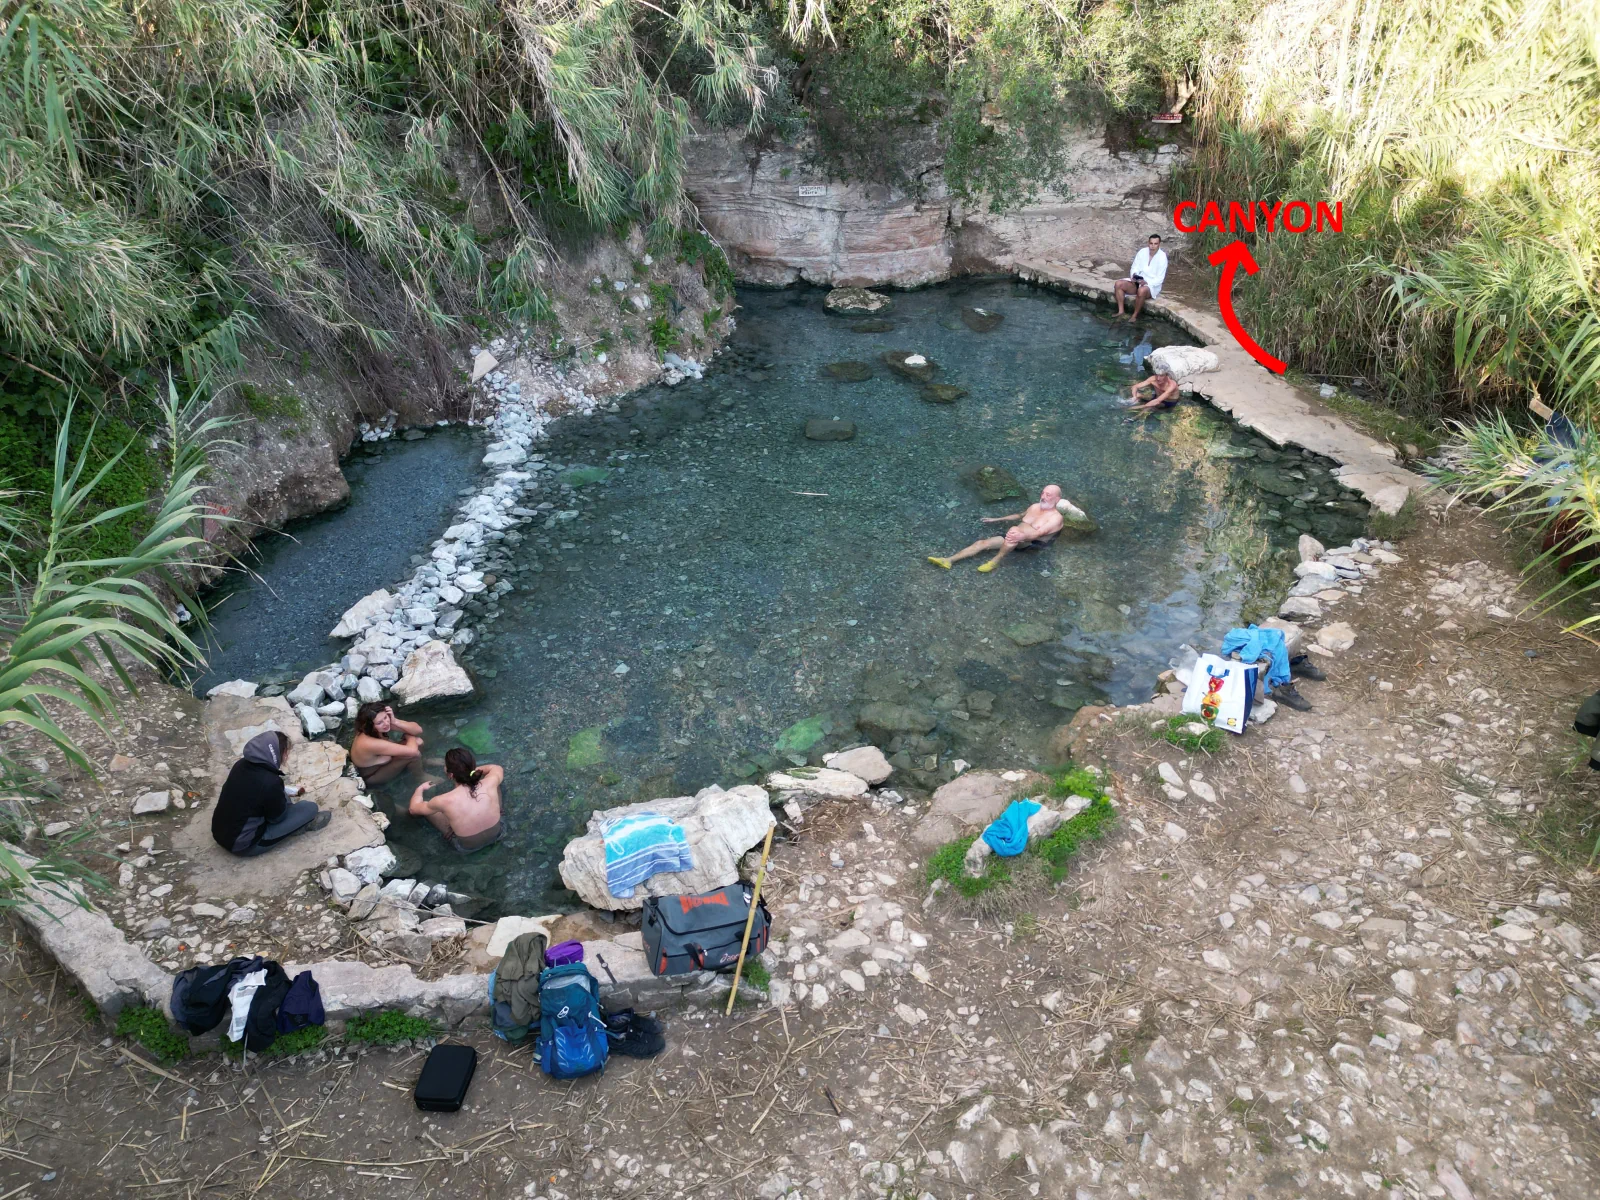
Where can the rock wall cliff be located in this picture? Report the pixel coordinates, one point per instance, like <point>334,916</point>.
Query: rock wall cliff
<point>780,220</point>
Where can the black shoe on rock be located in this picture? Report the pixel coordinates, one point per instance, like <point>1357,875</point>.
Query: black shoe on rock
<point>322,820</point>
<point>1288,695</point>
<point>1303,668</point>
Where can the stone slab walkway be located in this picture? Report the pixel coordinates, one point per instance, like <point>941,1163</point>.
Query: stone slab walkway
<point>1256,398</point>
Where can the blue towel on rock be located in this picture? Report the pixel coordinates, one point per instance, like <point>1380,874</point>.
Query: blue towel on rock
<point>1254,644</point>
<point>1007,834</point>
<point>641,845</point>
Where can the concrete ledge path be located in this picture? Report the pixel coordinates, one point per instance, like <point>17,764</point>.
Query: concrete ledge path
<point>1255,397</point>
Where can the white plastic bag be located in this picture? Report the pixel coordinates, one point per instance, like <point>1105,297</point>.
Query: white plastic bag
<point>1220,692</point>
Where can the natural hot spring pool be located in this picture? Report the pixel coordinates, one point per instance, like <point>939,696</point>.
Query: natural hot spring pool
<point>712,592</point>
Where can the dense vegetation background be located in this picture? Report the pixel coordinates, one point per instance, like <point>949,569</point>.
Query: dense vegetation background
<point>178,177</point>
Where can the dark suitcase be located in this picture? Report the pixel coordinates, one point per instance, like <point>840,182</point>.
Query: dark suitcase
<point>702,933</point>
<point>445,1078</point>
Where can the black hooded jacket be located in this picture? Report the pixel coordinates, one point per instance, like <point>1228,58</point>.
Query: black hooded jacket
<point>252,797</point>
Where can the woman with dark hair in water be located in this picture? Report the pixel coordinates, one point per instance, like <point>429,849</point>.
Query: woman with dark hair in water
<point>375,754</point>
<point>468,815</point>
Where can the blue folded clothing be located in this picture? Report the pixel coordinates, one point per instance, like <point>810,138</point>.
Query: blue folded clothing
<point>641,845</point>
<point>1007,834</point>
<point>1254,644</point>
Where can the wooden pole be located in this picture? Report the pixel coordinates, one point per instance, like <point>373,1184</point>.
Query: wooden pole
<point>749,921</point>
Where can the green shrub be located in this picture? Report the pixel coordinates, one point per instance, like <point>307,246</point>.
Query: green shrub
<point>696,247</point>
<point>662,335</point>
<point>151,1029</point>
<point>266,405</point>
<point>27,462</point>
<point>1091,824</point>
<point>1052,854</point>
<point>1176,731</point>
<point>1394,527</point>
<point>387,1027</point>
<point>756,973</point>
<point>947,863</point>
<point>283,1045</point>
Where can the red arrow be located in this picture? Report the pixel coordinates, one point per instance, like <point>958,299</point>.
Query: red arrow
<point>1230,258</point>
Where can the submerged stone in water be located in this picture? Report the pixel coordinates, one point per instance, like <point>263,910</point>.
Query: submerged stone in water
<point>584,748</point>
<point>942,393</point>
<point>898,362</point>
<point>580,476</point>
<point>475,736</point>
<point>852,301</point>
<point>995,483</point>
<point>848,371</point>
<point>1030,633</point>
<point>882,721</point>
<point>1269,480</point>
<point>873,327</point>
<point>1074,521</point>
<point>830,429</point>
<point>802,735</point>
<point>1225,449</point>
<point>980,320</point>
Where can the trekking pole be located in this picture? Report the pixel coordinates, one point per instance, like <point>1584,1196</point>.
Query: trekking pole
<point>749,921</point>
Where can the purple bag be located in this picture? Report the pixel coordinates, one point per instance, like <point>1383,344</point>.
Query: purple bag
<point>563,953</point>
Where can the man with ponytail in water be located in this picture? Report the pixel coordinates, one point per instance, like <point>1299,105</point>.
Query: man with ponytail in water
<point>468,815</point>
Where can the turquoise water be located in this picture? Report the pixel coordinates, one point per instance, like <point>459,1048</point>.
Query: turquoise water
<point>708,579</point>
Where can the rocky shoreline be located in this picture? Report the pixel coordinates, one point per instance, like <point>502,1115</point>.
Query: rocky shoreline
<point>403,645</point>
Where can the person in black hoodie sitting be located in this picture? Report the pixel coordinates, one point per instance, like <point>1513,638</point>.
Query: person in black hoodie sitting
<point>253,812</point>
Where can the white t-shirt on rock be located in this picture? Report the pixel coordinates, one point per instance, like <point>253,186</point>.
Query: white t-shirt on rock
<point>1154,270</point>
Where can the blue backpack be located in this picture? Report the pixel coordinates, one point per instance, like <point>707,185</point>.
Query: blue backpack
<point>572,1034</point>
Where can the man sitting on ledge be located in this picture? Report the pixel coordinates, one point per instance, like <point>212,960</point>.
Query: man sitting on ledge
<point>253,813</point>
<point>1036,528</point>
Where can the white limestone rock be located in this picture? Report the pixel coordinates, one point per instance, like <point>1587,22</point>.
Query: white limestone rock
<point>1337,636</point>
<point>818,781</point>
<point>369,863</point>
<point>152,802</point>
<point>363,613</point>
<point>242,688</point>
<point>310,720</point>
<point>720,827</point>
<point>431,671</point>
<point>866,763</point>
<point>1183,361</point>
<point>483,364</point>
<point>343,884</point>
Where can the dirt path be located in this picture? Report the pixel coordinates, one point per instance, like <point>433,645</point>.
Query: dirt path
<point>1351,960</point>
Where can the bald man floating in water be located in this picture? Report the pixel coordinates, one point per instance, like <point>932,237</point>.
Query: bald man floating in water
<point>1036,527</point>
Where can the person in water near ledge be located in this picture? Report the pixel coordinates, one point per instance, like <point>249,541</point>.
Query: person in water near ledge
<point>468,814</point>
<point>1164,394</point>
<point>384,745</point>
<point>253,813</point>
<point>1144,278</point>
<point>1036,527</point>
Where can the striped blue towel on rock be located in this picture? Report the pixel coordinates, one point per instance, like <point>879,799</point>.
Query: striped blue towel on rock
<point>641,845</point>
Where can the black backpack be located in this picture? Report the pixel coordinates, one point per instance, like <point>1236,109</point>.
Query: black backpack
<point>200,994</point>
<point>261,1026</point>
<point>702,933</point>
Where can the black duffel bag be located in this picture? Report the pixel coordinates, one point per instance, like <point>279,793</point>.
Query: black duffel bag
<point>702,933</point>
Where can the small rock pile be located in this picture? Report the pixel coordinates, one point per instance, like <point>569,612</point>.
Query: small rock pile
<point>404,917</point>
